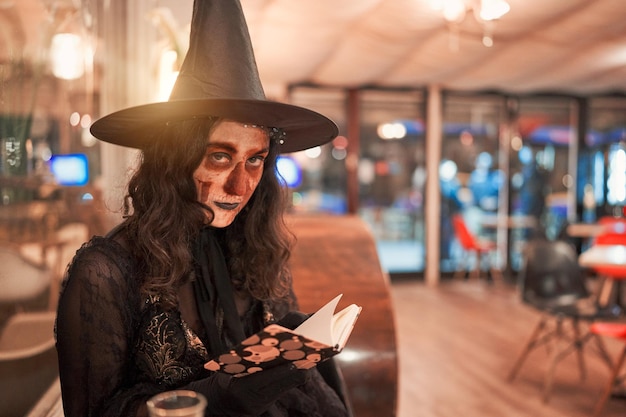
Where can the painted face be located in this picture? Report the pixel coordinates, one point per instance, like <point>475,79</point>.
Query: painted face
<point>231,169</point>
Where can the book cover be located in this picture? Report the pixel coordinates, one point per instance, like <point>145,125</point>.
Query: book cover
<point>320,337</point>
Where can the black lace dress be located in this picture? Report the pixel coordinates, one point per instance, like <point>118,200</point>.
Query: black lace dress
<point>116,349</point>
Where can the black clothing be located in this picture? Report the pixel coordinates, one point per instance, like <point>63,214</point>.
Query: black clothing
<point>117,349</point>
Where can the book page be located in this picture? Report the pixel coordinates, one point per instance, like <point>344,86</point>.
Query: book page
<point>343,323</point>
<point>318,326</point>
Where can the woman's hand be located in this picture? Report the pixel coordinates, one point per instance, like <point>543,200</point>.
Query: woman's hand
<point>293,319</point>
<point>249,395</point>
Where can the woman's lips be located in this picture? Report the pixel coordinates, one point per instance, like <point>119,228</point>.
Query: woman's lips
<point>227,206</point>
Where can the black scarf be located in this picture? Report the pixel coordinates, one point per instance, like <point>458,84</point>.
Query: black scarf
<point>214,293</point>
<point>215,297</point>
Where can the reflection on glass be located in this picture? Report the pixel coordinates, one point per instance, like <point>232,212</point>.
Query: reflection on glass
<point>616,183</point>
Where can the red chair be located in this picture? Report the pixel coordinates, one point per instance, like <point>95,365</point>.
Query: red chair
<point>611,221</point>
<point>614,234</point>
<point>481,249</point>
<point>618,331</point>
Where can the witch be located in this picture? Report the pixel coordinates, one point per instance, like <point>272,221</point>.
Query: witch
<point>199,261</point>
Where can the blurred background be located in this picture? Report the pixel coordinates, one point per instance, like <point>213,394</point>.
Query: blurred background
<point>524,115</point>
<point>511,114</point>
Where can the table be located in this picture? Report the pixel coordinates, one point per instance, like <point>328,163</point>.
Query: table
<point>514,227</point>
<point>606,256</point>
<point>30,221</point>
<point>514,221</point>
<point>593,230</point>
<point>603,255</point>
<point>585,230</point>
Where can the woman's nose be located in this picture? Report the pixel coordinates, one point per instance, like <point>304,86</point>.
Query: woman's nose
<point>236,181</point>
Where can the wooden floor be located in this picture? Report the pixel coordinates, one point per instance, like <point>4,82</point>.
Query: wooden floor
<point>457,343</point>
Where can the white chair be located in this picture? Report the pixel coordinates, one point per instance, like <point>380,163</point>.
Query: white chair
<point>28,361</point>
<point>21,279</point>
<point>56,254</point>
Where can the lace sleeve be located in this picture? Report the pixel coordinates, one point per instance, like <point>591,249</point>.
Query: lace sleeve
<point>98,309</point>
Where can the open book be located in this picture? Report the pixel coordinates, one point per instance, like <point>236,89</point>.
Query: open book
<point>318,338</point>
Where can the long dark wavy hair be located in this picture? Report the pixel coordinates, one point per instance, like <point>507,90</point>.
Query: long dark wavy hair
<point>163,218</point>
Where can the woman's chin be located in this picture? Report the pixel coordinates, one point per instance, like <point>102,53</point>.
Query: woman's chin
<point>223,219</point>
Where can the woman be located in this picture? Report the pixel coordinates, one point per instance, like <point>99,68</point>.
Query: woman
<point>128,323</point>
<point>200,259</point>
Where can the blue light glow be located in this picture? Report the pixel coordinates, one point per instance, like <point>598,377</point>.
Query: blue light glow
<point>70,169</point>
<point>289,170</point>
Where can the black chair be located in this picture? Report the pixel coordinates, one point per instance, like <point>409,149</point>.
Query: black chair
<point>552,282</point>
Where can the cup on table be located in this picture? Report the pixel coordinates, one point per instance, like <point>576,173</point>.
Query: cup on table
<point>177,403</point>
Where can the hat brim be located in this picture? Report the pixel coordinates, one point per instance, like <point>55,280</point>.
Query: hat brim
<point>130,127</point>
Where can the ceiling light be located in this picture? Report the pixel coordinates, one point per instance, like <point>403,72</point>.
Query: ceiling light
<point>493,9</point>
<point>67,56</point>
<point>485,13</point>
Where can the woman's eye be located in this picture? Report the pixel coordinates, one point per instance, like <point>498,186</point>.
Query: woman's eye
<point>256,160</point>
<point>218,157</point>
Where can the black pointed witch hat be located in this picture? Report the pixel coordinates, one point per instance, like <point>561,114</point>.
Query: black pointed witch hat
<point>218,78</point>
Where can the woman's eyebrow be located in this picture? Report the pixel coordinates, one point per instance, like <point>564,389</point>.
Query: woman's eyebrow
<point>264,150</point>
<point>227,146</point>
<point>223,145</point>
